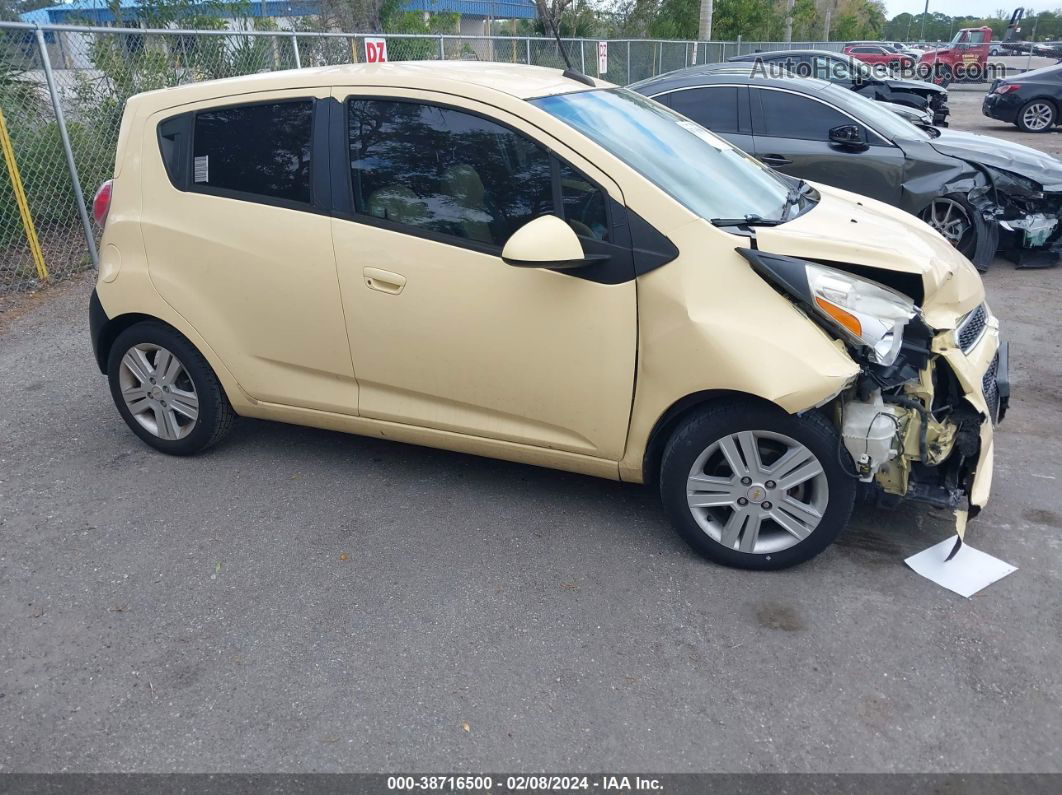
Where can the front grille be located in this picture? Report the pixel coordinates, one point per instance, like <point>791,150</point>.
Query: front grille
<point>971,328</point>
<point>991,389</point>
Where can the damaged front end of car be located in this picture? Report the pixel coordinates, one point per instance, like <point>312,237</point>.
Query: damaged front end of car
<point>1027,214</point>
<point>1014,191</point>
<point>917,421</point>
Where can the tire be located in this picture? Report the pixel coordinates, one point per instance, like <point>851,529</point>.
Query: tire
<point>1036,116</point>
<point>166,391</point>
<point>748,535</point>
<point>976,238</point>
<point>942,76</point>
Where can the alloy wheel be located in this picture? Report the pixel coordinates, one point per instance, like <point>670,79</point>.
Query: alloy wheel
<point>1038,116</point>
<point>952,220</point>
<point>158,391</point>
<point>757,491</point>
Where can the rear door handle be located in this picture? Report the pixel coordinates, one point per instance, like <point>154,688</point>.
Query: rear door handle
<point>384,281</point>
<point>776,160</point>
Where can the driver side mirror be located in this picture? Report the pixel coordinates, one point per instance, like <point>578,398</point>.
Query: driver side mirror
<point>849,136</point>
<point>546,242</point>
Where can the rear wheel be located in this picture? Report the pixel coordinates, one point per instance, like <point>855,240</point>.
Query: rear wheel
<point>754,487</point>
<point>1036,115</point>
<point>166,391</point>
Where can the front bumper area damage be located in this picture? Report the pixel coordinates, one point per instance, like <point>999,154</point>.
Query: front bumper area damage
<point>922,429</point>
<point>1027,217</point>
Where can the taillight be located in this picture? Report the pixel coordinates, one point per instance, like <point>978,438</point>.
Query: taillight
<point>101,204</point>
<point>1006,88</point>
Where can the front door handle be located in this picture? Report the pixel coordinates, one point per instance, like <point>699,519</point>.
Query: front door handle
<point>776,160</point>
<point>384,281</point>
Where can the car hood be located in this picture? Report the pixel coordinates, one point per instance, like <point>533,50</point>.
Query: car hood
<point>914,85</point>
<point>1006,155</point>
<point>845,228</point>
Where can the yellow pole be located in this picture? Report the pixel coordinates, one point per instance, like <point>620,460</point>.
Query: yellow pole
<point>20,200</point>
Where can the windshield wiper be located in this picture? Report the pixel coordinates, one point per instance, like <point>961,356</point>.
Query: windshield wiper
<point>749,220</point>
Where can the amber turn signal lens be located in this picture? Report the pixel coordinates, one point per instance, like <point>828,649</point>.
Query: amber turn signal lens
<point>846,319</point>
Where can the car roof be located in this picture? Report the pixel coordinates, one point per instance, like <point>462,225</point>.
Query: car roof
<point>473,79</point>
<point>773,54</point>
<point>745,74</point>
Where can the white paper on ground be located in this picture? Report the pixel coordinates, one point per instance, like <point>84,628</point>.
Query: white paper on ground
<point>965,574</point>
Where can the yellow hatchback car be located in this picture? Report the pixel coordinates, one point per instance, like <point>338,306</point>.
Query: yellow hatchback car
<point>536,266</point>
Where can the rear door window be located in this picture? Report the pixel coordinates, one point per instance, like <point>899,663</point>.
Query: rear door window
<point>258,150</point>
<point>715,107</point>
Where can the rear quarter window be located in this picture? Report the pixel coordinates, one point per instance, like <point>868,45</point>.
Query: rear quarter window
<point>257,150</point>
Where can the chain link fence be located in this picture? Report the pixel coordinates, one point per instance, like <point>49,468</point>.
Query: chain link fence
<point>63,90</point>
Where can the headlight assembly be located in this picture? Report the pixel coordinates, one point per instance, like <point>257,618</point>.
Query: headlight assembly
<point>864,313</point>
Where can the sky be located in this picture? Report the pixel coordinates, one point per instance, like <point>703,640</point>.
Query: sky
<point>973,8</point>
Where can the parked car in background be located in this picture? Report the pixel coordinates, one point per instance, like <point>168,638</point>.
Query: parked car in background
<point>913,115</point>
<point>1030,101</point>
<point>855,75</point>
<point>970,188</point>
<point>965,57</point>
<point>875,54</point>
<point>540,267</point>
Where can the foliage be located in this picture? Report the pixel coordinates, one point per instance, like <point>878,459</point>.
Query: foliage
<point>753,20</point>
<point>1045,26</point>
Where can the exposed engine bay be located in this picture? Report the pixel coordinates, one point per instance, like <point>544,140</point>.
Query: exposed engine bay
<point>908,427</point>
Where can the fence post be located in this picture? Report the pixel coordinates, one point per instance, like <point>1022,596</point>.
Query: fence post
<point>20,199</point>
<point>295,49</point>
<point>57,106</point>
<point>722,54</point>
<point>528,40</point>
<point>442,48</point>
<point>628,61</point>
<point>582,57</point>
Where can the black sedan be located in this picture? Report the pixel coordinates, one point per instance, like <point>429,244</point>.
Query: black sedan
<point>975,190</point>
<point>1031,101</point>
<point>847,72</point>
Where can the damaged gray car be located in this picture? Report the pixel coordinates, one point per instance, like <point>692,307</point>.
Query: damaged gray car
<point>983,194</point>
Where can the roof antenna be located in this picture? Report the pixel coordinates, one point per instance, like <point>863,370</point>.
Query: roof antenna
<point>571,72</point>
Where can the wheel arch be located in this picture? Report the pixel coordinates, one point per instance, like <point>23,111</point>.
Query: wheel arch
<point>678,411</point>
<point>110,329</point>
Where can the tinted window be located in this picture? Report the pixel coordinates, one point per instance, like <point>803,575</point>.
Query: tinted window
<point>977,37</point>
<point>584,204</point>
<point>714,108</point>
<point>445,171</point>
<point>788,115</point>
<point>262,149</point>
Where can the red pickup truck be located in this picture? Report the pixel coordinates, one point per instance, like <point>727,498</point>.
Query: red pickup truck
<point>965,57</point>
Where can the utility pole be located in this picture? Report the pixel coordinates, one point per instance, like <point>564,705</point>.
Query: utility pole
<point>925,14</point>
<point>704,27</point>
<point>788,37</point>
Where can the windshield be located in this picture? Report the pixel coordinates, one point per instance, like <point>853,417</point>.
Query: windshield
<point>874,114</point>
<point>706,174</point>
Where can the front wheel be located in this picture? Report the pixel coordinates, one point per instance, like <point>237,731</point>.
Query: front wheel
<point>960,223</point>
<point>756,488</point>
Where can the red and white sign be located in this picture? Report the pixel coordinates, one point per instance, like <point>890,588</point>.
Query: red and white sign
<point>602,57</point>
<point>375,50</point>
